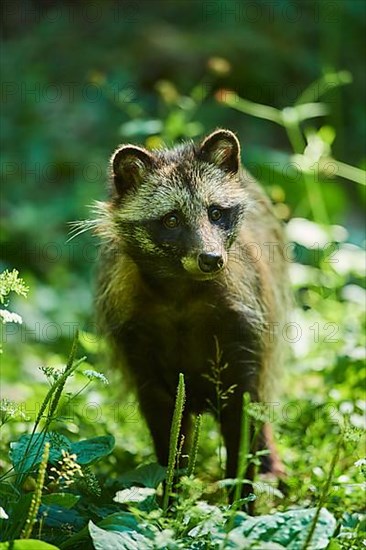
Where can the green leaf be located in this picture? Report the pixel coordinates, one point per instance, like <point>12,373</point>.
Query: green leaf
<point>58,516</point>
<point>18,514</point>
<point>210,522</point>
<point>89,450</point>
<point>120,521</point>
<point>112,540</point>
<point>8,491</point>
<point>289,529</point>
<point>27,544</point>
<point>334,545</point>
<point>66,500</point>
<point>26,454</point>
<point>134,494</point>
<point>150,475</point>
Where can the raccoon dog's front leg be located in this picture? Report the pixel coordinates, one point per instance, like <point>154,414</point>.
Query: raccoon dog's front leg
<point>231,422</point>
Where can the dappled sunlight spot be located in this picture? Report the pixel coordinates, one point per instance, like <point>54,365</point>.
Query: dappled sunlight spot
<point>307,233</point>
<point>350,259</point>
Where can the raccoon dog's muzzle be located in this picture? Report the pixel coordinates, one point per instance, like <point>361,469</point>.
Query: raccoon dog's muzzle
<point>210,263</point>
<point>205,265</point>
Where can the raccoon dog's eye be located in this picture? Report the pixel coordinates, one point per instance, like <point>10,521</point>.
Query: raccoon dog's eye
<point>171,221</point>
<point>215,214</point>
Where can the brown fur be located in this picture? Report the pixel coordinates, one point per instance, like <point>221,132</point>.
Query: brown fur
<point>160,313</point>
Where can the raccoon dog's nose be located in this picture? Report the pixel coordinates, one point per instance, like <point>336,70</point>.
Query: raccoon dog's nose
<point>209,263</point>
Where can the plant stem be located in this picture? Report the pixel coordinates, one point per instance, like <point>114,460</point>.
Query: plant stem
<point>51,400</point>
<point>174,436</point>
<point>323,85</point>
<point>324,493</point>
<point>36,499</point>
<point>194,449</point>
<point>345,171</point>
<point>250,108</point>
<point>312,186</point>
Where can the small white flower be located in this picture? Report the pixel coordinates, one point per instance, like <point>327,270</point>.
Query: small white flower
<point>10,317</point>
<point>91,374</point>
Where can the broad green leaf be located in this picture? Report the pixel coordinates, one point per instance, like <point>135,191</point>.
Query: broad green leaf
<point>112,540</point>
<point>266,546</point>
<point>89,450</point>
<point>150,475</point>
<point>211,522</point>
<point>58,516</point>
<point>26,454</point>
<point>27,544</point>
<point>66,500</point>
<point>289,529</point>
<point>120,521</point>
<point>134,494</point>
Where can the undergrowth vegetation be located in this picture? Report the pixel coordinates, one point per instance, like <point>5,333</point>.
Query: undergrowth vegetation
<point>77,463</point>
<point>77,467</point>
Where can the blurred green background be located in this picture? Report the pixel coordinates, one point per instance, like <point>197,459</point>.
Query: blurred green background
<point>81,77</point>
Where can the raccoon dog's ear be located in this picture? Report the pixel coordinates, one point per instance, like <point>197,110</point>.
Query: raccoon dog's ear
<point>221,148</point>
<point>129,164</point>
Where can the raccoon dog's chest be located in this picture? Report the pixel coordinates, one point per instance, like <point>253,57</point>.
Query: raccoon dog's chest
<point>189,337</point>
<point>183,333</point>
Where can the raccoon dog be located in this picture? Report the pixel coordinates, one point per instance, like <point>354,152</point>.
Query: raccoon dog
<point>192,260</point>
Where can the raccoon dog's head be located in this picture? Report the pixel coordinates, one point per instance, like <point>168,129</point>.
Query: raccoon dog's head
<point>178,211</point>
